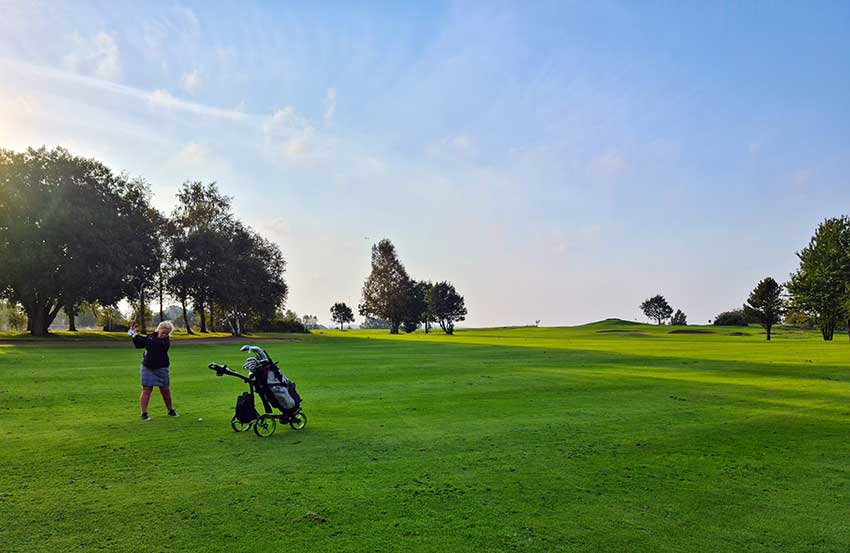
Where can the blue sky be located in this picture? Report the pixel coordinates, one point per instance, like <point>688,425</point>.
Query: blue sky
<point>557,161</point>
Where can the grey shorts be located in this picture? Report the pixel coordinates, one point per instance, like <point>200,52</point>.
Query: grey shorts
<point>155,377</point>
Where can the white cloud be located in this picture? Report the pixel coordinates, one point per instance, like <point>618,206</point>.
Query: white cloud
<point>98,56</point>
<point>290,136</point>
<point>330,106</point>
<point>192,81</point>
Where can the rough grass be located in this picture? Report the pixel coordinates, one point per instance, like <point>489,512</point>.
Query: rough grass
<point>531,439</point>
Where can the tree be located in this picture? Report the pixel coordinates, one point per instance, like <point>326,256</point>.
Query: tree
<point>65,225</point>
<point>199,232</point>
<point>341,314</point>
<point>765,304</point>
<point>417,307</point>
<point>386,291</point>
<point>147,251</point>
<point>310,322</point>
<point>656,308</point>
<point>679,318</point>
<point>374,324</point>
<point>447,306</point>
<point>733,317</point>
<point>110,318</point>
<point>819,288</point>
<point>247,279</point>
<point>14,316</point>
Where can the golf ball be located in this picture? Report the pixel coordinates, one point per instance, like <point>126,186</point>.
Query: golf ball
<point>200,420</point>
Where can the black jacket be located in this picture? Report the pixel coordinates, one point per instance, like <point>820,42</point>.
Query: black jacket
<point>156,350</point>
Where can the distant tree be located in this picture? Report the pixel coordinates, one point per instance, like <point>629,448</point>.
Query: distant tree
<point>800,320</point>
<point>734,317</point>
<point>374,324</point>
<point>417,307</point>
<point>427,317</point>
<point>657,309</point>
<point>14,316</point>
<point>386,291</point>
<point>447,305</point>
<point>310,322</point>
<point>679,318</point>
<point>110,318</point>
<point>765,304</point>
<point>819,288</point>
<point>341,314</point>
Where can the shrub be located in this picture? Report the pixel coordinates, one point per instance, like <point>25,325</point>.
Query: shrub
<point>800,320</point>
<point>291,326</point>
<point>735,317</point>
<point>679,319</point>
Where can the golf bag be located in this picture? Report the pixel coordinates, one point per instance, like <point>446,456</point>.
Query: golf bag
<point>275,387</point>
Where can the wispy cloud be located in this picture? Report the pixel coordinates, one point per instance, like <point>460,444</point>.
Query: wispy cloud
<point>192,81</point>
<point>160,98</point>
<point>290,136</point>
<point>97,55</point>
<point>330,106</point>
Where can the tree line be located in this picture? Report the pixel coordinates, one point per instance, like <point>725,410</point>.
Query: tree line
<point>392,299</point>
<point>817,294</point>
<point>74,233</point>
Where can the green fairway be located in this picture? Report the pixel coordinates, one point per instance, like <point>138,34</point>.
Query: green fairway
<point>607,437</point>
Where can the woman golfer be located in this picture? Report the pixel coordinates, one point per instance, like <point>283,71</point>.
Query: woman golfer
<point>155,365</point>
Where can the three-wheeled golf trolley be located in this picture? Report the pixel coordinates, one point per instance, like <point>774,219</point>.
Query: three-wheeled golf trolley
<point>275,391</point>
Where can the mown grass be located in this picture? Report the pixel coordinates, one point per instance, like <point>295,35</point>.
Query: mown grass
<point>571,439</point>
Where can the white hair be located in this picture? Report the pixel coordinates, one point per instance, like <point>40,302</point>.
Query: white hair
<point>166,324</point>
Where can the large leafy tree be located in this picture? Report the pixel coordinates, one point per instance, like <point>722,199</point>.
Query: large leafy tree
<point>387,289</point>
<point>657,309</point>
<point>341,314</point>
<point>148,250</point>
<point>447,306</point>
<point>199,233</point>
<point>65,225</point>
<point>765,304</point>
<point>247,280</point>
<point>819,288</point>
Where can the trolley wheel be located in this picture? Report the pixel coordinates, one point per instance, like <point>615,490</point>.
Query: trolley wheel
<point>238,426</point>
<point>265,426</point>
<point>298,421</point>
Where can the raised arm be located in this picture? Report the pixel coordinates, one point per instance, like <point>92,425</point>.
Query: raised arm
<point>139,340</point>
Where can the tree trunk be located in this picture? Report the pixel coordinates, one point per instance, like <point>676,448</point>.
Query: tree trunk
<point>394,327</point>
<point>37,318</point>
<point>161,293</point>
<point>41,316</point>
<point>186,316</point>
<point>827,329</point>
<point>141,314</point>
<point>203,315</point>
<point>768,332</point>
<point>72,324</point>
